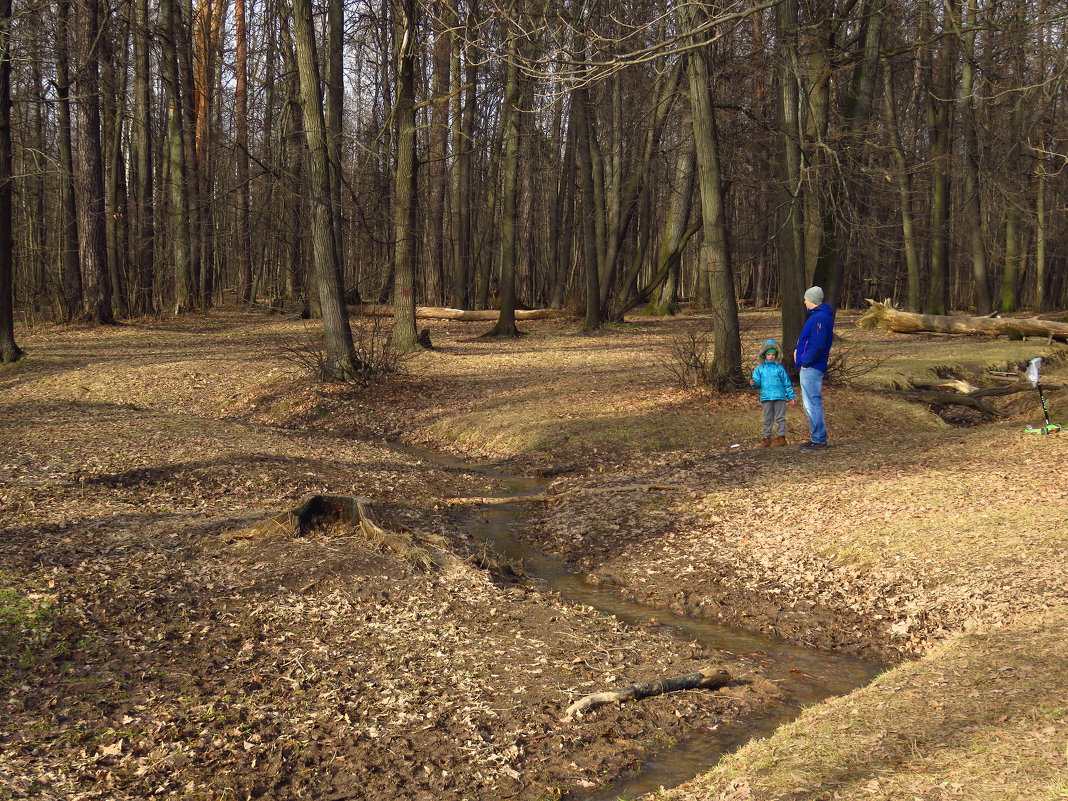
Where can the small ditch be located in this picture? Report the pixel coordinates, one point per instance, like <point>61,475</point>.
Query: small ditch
<point>806,676</point>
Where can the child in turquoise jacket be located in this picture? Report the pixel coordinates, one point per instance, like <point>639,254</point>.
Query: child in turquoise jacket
<point>776,391</point>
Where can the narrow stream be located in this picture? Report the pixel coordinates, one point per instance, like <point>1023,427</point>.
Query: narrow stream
<point>806,676</point>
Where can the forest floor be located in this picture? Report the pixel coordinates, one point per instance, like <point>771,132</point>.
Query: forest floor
<point>153,642</point>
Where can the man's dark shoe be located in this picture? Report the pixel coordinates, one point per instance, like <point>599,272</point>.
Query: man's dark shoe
<point>813,446</point>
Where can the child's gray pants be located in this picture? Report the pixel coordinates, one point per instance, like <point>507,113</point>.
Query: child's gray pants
<point>774,412</point>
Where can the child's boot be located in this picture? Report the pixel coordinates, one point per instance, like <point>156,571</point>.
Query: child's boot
<point>765,442</point>
<point>780,440</point>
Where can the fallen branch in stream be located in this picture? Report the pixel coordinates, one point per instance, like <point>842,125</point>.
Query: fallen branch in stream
<point>706,679</point>
<point>546,498</point>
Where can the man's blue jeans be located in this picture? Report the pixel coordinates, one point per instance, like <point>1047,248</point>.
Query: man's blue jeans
<point>812,400</point>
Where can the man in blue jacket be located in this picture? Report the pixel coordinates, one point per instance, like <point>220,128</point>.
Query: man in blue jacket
<point>813,347</point>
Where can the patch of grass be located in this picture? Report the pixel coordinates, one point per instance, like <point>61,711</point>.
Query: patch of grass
<point>23,618</point>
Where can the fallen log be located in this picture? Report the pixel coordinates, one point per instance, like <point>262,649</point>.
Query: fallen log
<point>464,315</point>
<point>706,679</point>
<point>886,317</point>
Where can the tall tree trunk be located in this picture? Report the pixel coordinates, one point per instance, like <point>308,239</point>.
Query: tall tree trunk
<point>1010,279</point>
<point>207,23</point>
<point>817,46</point>
<point>301,281</point>
<point>9,349</point>
<point>590,211</point>
<point>116,211</point>
<point>510,191</point>
<point>562,229</point>
<point>904,190</point>
<point>241,223</point>
<point>677,233</point>
<point>940,104</point>
<point>789,234</point>
<point>89,173</point>
<point>335,108</point>
<point>463,120</point>
<point>624,193</point>
<point>973,211</point>
<point>185,48</point>
<point>438,177</point>
<point>858,105</point>
<point>178,197</point>
<point>405,32</point>
<point>1040,239</point>
<point>1015,252</point>
<point>142,153</point>
<point>73,296</point>
<point>35,190</point>
<point>714,256</point>
<point>340,351</point>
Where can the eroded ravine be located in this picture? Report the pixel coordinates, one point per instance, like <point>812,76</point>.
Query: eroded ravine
<point>805,676</point>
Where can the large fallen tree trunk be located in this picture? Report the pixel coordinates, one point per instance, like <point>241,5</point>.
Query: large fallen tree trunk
<point>464,315</point>
<point>885,316</point>
<point>707,679</point>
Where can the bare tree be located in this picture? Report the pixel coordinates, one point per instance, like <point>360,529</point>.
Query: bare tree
<point>243,254</point>
<point>339,345</point>
<point>9,349</point>
<point>510,124</point>
<point>405,33</point>
<point>89,167</point>
<point>714,256</point>
<point>71,282</point>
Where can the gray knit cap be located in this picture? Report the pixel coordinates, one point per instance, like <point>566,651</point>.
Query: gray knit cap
<point>814,295</point>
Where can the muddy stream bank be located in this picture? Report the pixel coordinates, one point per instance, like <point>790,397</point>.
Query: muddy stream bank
<point>805,676</point>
